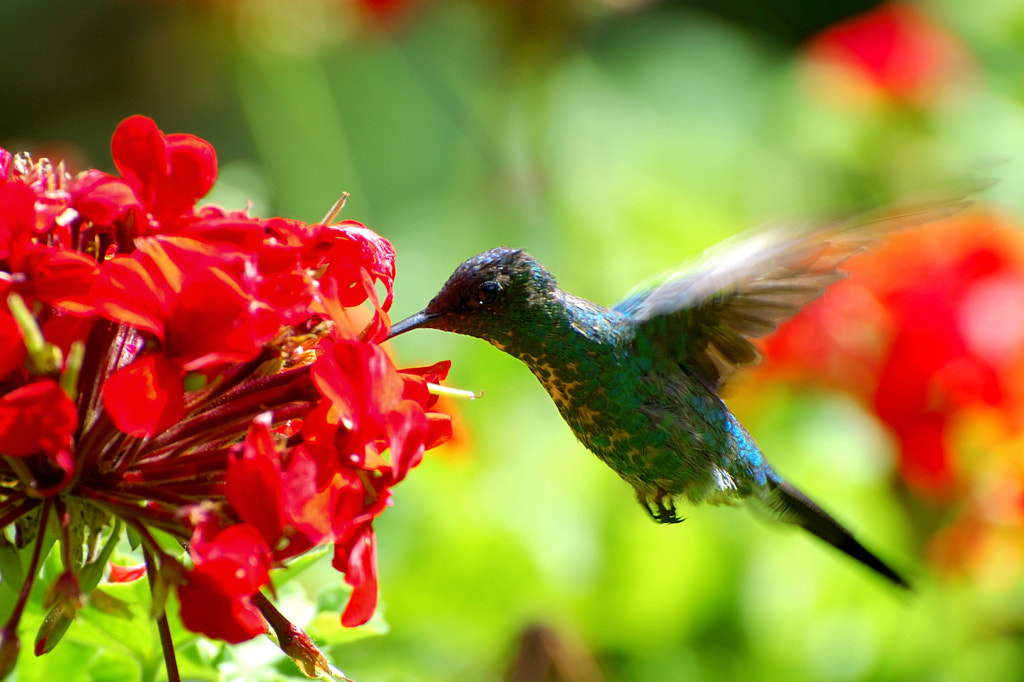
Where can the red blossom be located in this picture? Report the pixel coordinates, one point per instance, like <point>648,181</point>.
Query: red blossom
<point>229,569</point>
<point>169,173</point>
<point>892,53</point>
<point>354,260</point>
<point>199,374</point>
<point>364,386</point>
<point>126,574</point>
<point>40,419</point>
<point>924,331</point>
<point>52,275</point>
<point>36,418</point>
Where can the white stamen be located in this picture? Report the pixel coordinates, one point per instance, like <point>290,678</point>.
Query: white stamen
<point>438,389</point>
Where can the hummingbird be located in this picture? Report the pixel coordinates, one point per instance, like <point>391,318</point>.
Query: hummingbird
<point>640,383</point>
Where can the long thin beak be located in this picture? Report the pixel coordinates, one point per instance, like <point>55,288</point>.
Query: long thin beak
<point>408,323</point>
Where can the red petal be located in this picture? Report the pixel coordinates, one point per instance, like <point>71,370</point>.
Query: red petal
<point>439,429</point>
<point>140,155</point>
<point>212,323</point>
<point>435,373</point>
<point>238,558</point>
<point>62,277</point>
<point>126,291</point>
<point>17,219</point>
<point>407,433</point>
<point>359,562</point>
<point>12,348</point>
<point>359,379</point>
<point>146,397</point>
<point>254,483</point>
<point>126,574</point>
<point>169,173</point>
<point>208,610</point>
<point>102,199</point>
<point>37,418</point>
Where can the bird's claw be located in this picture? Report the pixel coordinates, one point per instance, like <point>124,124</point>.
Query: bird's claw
<point>662,509</point>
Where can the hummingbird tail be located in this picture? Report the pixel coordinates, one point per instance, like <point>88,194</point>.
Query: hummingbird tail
<point>792,506</point>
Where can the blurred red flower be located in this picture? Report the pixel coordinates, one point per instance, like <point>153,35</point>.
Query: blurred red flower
<point>924,330</point>
<point>894,53</point>
<point>928,332</point>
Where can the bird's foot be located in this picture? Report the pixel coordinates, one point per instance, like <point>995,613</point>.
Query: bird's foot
<point>662,509</point>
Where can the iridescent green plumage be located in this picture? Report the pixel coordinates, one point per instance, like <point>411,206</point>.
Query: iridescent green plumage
<point>639,383</point>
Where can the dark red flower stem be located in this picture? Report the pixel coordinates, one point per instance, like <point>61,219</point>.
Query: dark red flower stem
<point>10,629</point>
<point>166,643</point>
<point>232,412</point>
<point>228,380</point>
<point>147,492</point>
<point>63,532</point>
<point>98,363</point>
<point>202,465</point>
<point>232,432</point>
<point>139,517</point>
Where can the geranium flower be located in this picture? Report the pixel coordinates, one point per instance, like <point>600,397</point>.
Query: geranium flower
<point>893,53</point>
<point>929,334</point>
<point>194,371</point>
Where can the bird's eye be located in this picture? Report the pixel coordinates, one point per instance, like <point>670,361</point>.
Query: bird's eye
<point>488,292</point>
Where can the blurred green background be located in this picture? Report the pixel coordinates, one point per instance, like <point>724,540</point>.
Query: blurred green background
<point>612,139</point>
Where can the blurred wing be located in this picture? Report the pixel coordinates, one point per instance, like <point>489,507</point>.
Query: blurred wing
<point>745,287</point>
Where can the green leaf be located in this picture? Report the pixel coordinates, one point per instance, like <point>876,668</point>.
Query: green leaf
<point>108,666</point>
<point>109,604</point>
<point>90,575</point>
<point>12,575</point>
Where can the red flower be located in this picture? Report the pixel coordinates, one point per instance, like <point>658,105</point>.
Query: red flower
<point>229,570</point>
<point>176,290</point>
<point>928,332</point>
<point>196,371</point>
<point>126,574</point>
<point>36,418</point>
<point>923,330</point>
<point>169,173</point>
<point>388,13</point>
<point>892,53</point>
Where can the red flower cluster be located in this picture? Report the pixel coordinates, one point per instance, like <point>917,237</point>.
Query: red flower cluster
<point>924,330</point>
<point>929,332</point>
<point>195,370</point>
<point>894,53</point>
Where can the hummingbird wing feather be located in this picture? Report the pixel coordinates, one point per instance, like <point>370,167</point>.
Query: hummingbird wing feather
<point>742,289</point>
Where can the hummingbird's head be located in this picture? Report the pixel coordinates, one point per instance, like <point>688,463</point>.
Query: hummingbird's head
<point>487,296</point>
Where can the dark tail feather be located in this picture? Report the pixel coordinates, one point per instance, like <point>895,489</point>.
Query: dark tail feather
<point>792,506</point>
